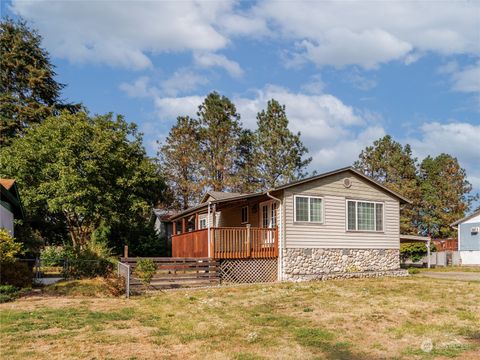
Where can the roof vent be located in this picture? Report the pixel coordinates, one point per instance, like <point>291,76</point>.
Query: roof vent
<point>347,183</point>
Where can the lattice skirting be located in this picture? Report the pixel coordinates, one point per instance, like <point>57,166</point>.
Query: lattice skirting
<point>248,270</point>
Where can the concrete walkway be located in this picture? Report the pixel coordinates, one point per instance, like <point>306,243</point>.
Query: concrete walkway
<point>453,275</point>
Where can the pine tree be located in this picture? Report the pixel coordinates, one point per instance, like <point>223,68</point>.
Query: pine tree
<point>445,195</point>
<point>279,153</point>
<point>245,164</point>
<point>29,92</point>
<point>220,133</point>
<point>393,165</point>
<point>179,157</point>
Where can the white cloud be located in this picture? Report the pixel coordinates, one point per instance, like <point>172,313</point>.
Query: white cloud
<point>459,139</point>
<point>139,88</point>
<point>182,81</point>
<point>340,33</point>
<point>467,79</point>
<point>210,60</point>
<point>124,33</point>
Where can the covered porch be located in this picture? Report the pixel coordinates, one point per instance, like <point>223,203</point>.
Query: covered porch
<point>233,227</point>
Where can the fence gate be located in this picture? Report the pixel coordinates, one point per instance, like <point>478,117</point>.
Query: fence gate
<point>248,270</point>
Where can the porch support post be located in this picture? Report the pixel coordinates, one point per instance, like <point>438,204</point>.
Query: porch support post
<point>209,238</point>
<point>184,227</point>
<point>249,245</point>
<point>196,222</point>
<point>174,227</point>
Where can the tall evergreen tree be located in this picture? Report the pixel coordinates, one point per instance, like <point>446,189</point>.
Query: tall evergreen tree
<point>445,195</point>
<point>29,92</point>
<point>246,164</point>
<point>179,162</point>
<point>220,132</point>
<point>393,165</point>
<point>279,153</point>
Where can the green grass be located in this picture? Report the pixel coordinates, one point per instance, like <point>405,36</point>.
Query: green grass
<point>349,319</point>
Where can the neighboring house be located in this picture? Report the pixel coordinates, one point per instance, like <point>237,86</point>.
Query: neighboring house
<point>468,230</point>
<point>10,205</point>
<point>337,224</point>
<point>163,225</point>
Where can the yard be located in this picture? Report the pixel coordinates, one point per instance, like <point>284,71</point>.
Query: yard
<point>401,318</point>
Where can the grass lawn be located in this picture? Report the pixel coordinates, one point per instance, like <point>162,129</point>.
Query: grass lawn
<point>339,319</point>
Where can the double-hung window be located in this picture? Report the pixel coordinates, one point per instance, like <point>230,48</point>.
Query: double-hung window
<point>203,223</point>
<point>364,215</point>
<point>244,214</point>
<point>308,209</point>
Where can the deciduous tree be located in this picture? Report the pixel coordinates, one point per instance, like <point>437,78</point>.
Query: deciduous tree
<point>87,171</point>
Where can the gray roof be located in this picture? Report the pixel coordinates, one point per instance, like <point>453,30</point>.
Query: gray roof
<point>221,197</point>
<point>468,217</point>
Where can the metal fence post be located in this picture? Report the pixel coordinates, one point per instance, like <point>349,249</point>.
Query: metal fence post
<point>128,281</point>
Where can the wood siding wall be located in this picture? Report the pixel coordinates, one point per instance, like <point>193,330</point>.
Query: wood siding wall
<point>332,233</point>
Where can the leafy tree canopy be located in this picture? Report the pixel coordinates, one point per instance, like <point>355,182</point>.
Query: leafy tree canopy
<point>91,173</point>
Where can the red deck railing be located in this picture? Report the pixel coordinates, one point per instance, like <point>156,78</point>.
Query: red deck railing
<point>227,243</point>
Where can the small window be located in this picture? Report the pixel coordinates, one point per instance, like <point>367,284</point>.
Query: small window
<point>274,215</point>
<point>244,214</point>
<point>203,223</point>
<point>309,209</point>
<point>364,216</point>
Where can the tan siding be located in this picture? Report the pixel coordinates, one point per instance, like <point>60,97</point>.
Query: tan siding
<point>232,217</point>
<point>333,234</point>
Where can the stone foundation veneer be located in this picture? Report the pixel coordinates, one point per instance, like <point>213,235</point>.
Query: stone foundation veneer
<point>308,264</point>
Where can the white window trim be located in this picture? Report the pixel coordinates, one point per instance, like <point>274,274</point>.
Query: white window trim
<point>309,197</point>
<point>356,215</point>
<point>241,214</point>
<point>200,223</point>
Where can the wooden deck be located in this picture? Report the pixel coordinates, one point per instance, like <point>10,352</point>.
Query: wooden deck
<point>227,243</point>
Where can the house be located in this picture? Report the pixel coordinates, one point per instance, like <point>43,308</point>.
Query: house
<point>469,238</point>
<point>10,204</point>
<point>337,224</point>
<point>162,224</point>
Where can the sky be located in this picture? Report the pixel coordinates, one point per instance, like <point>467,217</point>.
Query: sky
<point>348,72</point>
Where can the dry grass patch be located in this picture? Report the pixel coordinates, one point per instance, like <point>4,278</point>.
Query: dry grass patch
<point>349,319</point>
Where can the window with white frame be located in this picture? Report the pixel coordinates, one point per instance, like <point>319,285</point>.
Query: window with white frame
<point>308,209</point>
<point>203,223</point>
<point>244,214</point>
<point>274,214</point>
<point>364,215</point>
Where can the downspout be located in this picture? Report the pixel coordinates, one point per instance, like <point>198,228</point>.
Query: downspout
<point>280,240</point>
<point>208,230</point>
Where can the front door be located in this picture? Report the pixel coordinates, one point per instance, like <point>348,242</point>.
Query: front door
<point>268,219</point>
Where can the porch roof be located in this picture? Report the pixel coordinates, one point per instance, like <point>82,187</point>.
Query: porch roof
<point>204,205</point>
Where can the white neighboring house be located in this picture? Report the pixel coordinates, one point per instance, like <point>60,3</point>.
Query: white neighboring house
<point>469,238</point>
<point>10,205</point>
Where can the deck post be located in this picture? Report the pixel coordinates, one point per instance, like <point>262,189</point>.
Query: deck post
<point>174,225</point>
<point>125,251</point>
<point>249,249</point>
<point>184,227</point>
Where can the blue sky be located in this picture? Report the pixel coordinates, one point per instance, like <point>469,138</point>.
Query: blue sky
<point>347,71</point>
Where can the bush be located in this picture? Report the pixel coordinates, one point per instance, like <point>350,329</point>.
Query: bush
<point>17,274</point>
<point>52,256</point>
<point>8,293</point>
<point>413,271</point>
<point>115,284</point>
<point>9,249</point>
<point>415,251</point>
<point>95,259</point>
<point>145,270</point>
